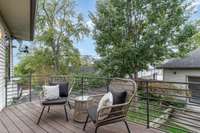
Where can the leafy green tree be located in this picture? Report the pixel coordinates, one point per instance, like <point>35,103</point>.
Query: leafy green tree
<point>40,61</point>
<point>37,62</point>
<point>133,34</point>
<point>58,25</point>
<point>185,41</point>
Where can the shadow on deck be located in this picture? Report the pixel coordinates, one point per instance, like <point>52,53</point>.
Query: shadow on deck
<point>22,118</point>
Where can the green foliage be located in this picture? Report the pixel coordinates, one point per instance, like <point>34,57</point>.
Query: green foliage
<point>185,41</point>
<point>38,62</point>
<point>58,25</point>
<point>172,101</point>
<point>90,81</point>
<point>139,116</point>
<point>131,35</point>
<point>174,128</point>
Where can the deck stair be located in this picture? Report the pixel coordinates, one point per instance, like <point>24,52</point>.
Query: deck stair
<point>188,119</point>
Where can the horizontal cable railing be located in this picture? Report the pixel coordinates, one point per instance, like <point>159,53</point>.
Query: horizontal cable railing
<point>167,106</point>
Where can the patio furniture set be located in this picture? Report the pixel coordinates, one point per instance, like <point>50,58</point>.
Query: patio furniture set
<point>101,109</point>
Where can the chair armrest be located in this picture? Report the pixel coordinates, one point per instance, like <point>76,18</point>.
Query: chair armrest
<point>97,96</point>
<point>114,106</point>
<point>41,96</point>
<point>71,86</point>
<point>118,110</point>
<point>96,99</point>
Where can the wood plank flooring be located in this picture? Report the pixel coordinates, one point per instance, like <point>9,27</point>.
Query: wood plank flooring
<point>22,118</point>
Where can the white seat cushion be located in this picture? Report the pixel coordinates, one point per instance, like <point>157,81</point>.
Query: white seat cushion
<point>106,100</point>
<point>51,92</point>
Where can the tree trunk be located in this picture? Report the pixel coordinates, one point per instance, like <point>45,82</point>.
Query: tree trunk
<point>135,75</point>
<point>55,58</point>
<point>56,64</point>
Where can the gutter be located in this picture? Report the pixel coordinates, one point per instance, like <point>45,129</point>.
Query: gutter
<point>33,7</point>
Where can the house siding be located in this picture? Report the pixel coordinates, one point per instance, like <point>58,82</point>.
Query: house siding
<point>177,75</point>
<point>2,67</point>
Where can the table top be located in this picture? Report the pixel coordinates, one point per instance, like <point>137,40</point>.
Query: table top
<point>83,98</point>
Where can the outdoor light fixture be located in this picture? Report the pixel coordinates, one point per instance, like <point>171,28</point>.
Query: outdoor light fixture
<point>22,49</point>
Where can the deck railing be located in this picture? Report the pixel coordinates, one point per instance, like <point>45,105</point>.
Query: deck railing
<point>167,106</point>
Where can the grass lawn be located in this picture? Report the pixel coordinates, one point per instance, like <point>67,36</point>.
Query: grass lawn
<point>140,116</point>
<point>175,128</point>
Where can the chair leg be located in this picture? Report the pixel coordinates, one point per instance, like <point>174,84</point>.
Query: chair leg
<point>40,115</point>
<point>66,113</point>
<point>48,108</point>
<point>69,105</point>
<point>85,122</point>
<point>96,128</point>
<point>127,126</point>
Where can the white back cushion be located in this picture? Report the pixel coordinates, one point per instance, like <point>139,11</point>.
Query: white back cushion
<point>51,92</point>
<point>106,100</point>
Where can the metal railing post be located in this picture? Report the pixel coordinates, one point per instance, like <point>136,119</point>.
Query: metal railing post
<point>30,87</point>
<point>6,92</point>
<point>82,86</point>
<point>107,84</point>
<point>147,103</point>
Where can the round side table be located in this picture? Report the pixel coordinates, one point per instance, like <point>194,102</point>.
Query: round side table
<point>80,109</point>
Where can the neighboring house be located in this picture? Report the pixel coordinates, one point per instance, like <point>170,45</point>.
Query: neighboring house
<point>88,69</point>
<point>186,69</point>
<point>152,73</point>
<point>16,22</point>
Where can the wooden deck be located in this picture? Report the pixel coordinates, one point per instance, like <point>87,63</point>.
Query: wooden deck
<point>22,119</point>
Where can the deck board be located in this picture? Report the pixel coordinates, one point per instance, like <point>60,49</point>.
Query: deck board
<point>3,129</point>
<point>18,122</point>
<point>44,124</point>
<point>22,118</point>
<point>53,122</point>
<point>57,115</point>
<point>12,128</point>
<point>27,120</point>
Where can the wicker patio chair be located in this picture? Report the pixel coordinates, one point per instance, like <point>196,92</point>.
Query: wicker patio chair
<point>19,95</point>
<point>63,100</point>
<point>118,112</point>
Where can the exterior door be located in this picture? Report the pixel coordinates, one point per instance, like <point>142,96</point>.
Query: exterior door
<point>194,89</point>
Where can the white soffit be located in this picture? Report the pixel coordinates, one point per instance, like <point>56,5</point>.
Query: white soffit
<point>18,18</point>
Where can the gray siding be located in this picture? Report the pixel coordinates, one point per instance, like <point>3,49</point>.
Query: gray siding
<point>2,74</point>
<point>179,75</point>
<point>3,57</point>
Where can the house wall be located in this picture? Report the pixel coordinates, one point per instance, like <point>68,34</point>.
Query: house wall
<point>176,75</point>
<point>6,60</point>
<point>2,66</point>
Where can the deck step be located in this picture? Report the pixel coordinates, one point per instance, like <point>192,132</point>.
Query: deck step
<point>189,120</point>
<point>185,125</point>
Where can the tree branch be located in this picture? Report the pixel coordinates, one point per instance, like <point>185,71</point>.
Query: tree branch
<point>48,17</point>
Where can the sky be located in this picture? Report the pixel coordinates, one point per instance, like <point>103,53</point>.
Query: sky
<point>86,46</point>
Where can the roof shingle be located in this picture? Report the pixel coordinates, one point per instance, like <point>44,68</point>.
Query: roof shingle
<point>191,61</point>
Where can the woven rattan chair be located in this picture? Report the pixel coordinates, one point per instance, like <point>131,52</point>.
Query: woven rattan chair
<point>63,100</point>
<point>118,112</point>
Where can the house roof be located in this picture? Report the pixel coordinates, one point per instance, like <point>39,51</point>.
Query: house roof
<point>18,17</point>
<point>191,61</point>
